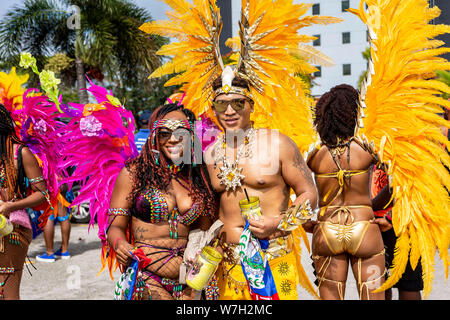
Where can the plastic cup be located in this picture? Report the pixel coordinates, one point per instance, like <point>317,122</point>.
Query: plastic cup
<point>6,226</point>
<point>203,269</point>
<point>250,209</point>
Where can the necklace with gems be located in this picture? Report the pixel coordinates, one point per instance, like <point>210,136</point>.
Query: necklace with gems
<point>230,174</point>
<point>174,168</point>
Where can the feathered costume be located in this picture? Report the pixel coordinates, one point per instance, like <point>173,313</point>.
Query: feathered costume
<point>35,117</point>
<point>400,103</point>
<point>270,53</point>
<point>97,142</point>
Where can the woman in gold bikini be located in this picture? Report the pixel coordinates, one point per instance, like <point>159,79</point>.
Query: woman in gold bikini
<point>346,231</point>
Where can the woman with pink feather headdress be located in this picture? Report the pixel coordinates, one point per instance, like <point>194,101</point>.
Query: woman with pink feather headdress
<point>27,180</point>
<point>146,204</point>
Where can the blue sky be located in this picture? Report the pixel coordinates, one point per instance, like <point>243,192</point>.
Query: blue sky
<point>156,8</point>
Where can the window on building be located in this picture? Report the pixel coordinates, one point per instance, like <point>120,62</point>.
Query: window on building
<point>318,73</point>
<point>345,37</point>
<point>345,4</point>
<point>316,9</point>
<point>316,42</point>
<point>347,69</point>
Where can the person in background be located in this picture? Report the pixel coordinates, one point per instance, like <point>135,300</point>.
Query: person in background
<point>62,215</point>
<point>141,136</point>
<point>410,284</point>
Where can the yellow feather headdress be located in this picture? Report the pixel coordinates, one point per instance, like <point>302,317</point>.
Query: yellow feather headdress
<point>268,48</point>
<point>400,103</point>
<point>11,89</point>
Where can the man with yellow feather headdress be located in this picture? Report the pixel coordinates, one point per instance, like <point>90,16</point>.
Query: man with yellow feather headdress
<point>252,165</point>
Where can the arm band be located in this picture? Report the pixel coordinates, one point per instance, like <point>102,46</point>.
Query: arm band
<point>36,180</point>
<point>119,212</point>
<point>296,216</point>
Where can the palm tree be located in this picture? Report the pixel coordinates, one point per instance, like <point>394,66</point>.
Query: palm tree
<point>443,76</point>
<point>107,38</point>
<point>362,77</point>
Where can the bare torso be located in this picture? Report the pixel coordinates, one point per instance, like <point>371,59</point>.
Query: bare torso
<point>262,179</point>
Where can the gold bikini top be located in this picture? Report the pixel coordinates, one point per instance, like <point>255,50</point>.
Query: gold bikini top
<point>341,174</point>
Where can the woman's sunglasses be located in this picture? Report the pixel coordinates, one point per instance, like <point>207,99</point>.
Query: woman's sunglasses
<point>236,104</point>
<point>165,134</point>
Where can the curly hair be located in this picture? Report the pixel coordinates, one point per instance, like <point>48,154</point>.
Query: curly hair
<point>336,114</point>
<point>148,172</point>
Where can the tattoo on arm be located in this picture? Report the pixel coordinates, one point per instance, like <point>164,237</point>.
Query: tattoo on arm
<point>285,202</point>
<point>300,164</point>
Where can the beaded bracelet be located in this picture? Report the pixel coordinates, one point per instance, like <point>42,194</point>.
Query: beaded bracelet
<point>7,270</point>
<point>296,216</point>
<point>47,197</point>
<point>36,180</point>
<point>119,212</point>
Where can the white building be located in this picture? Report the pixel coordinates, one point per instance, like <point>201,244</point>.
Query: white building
<point>343,42</point>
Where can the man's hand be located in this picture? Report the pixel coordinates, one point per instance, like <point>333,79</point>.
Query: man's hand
<point>384,224</point>
<point>309,226</point>
<point>264,226</point>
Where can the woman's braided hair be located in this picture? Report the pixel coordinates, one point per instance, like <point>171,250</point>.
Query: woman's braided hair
<point>8,138</point>
<point>336,114</point>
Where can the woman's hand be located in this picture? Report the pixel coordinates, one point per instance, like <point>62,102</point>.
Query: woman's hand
<point>123,249</point>
<point>5,208</point>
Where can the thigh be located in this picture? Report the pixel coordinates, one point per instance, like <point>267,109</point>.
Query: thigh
<point>155,291</point>
<point>331,274</point>
<point>369,275</point>
<point>13,256</point>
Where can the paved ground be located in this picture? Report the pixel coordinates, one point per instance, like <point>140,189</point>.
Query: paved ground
<point>77,279</point>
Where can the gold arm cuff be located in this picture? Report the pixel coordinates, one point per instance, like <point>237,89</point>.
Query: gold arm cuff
<point>295,216</point>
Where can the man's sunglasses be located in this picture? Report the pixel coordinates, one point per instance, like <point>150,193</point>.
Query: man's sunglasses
<point>236,104</point>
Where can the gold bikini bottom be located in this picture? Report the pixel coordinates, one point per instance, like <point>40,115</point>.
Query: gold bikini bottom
<point>341,235</point>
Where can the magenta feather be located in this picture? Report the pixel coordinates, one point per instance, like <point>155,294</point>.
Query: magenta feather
<point>97,144</point>
<point>38,129</point>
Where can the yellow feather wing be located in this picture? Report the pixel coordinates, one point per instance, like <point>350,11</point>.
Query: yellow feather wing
<point>273,52</point>
<point>196,60</point>
<point>400,104</point>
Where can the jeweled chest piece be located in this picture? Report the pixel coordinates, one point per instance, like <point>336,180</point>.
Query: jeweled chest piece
<point>230,174</point>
